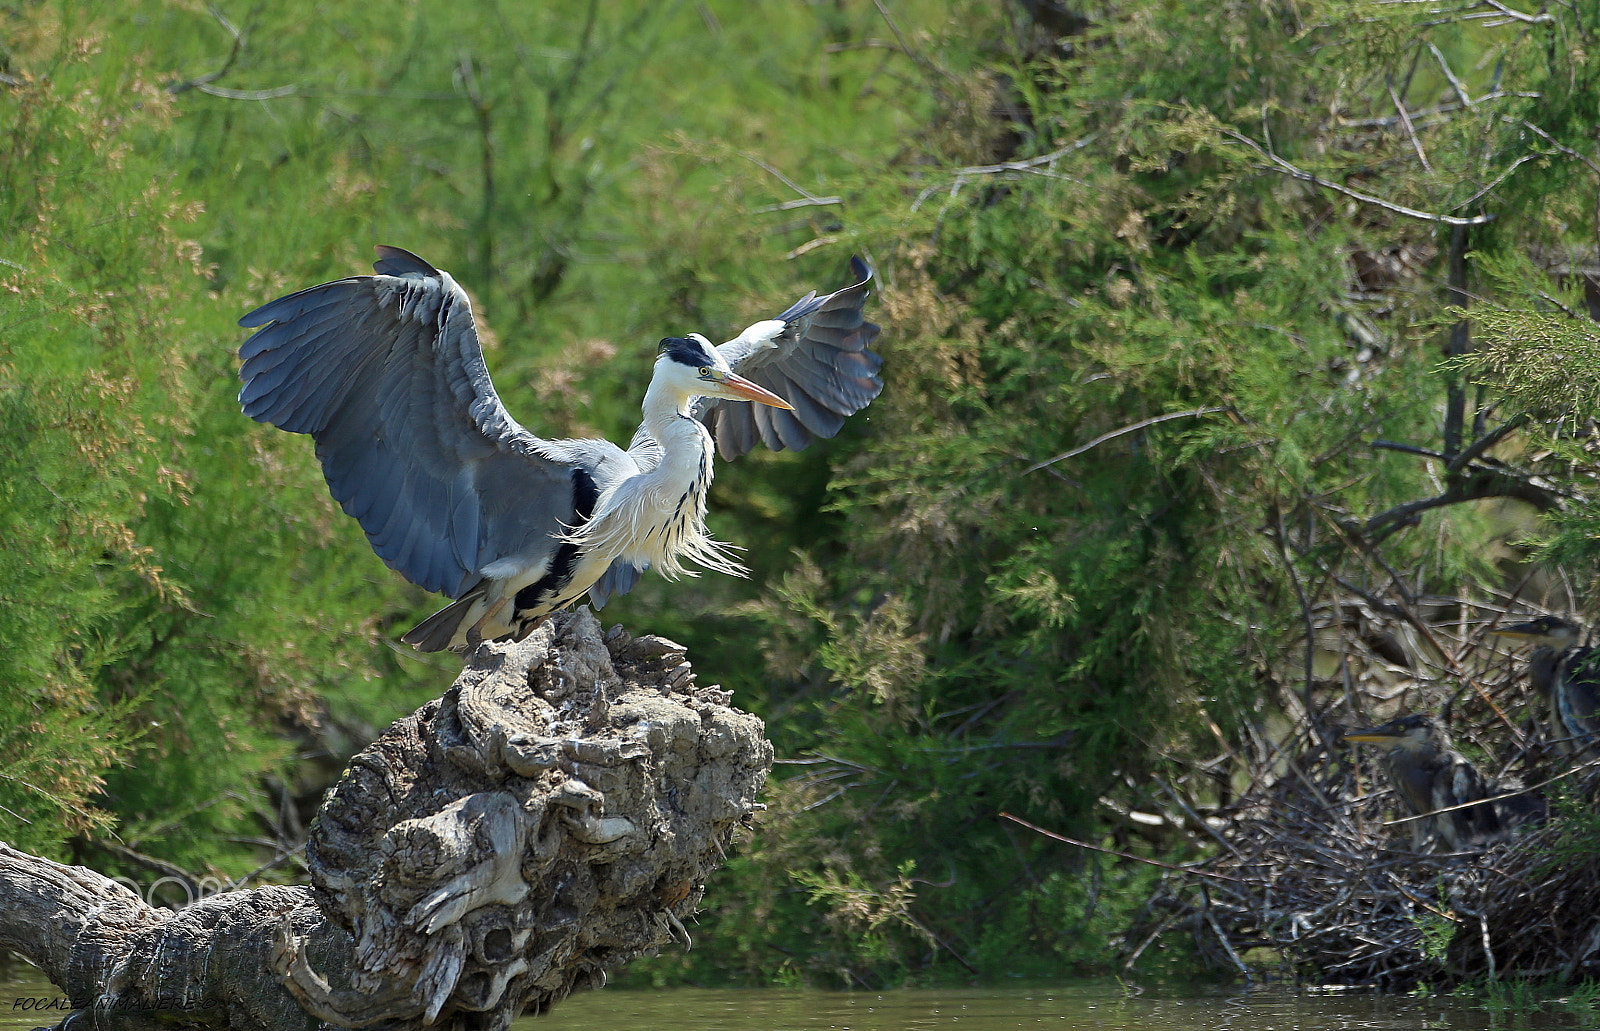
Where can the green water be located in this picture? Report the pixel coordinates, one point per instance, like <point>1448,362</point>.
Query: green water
<point>28,1004</point>
<point>993,1009</point>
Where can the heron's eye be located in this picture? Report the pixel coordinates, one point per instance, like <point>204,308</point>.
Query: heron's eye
<point>705,372</point>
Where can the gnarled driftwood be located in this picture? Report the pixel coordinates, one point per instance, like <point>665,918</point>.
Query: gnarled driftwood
<point>554,815</point>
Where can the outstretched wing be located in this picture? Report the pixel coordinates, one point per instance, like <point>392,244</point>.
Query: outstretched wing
<point>816,356</point>
<point>386,374</point>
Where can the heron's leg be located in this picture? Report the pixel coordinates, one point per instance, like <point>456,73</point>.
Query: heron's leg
<point>475,631</point>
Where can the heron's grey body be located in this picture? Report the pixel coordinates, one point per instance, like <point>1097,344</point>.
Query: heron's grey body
<point>1435,782</point>
<point>386,374</point>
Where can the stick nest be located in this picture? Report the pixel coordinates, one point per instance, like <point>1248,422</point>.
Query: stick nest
<point>1315,874</point>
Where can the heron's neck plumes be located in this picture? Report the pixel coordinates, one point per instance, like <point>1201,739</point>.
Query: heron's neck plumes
<point>656,518</point>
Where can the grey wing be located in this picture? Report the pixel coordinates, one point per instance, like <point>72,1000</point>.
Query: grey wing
<point>1475,822</point>
<point>820,362</point>
<point>386,374</point>
<point>1580,706</point>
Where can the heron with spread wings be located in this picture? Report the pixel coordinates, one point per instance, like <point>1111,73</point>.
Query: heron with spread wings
<point>386,374</point>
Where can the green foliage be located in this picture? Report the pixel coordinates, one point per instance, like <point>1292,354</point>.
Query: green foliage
<point>1135,382</point>
<point>82,465</point>
<point>1583,1001</point>
<point>186,606</point>
<point>1151,293</point>
<point>162,640</point>
<point>1540,355</point>
<point>1517,1003</point>
<point>1436,928</point>
<point>1530,353</point>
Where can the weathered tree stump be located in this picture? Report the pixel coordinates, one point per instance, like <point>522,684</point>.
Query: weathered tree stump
<point>554,815</point>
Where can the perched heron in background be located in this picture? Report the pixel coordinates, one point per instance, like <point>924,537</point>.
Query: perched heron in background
<point>1568,676</point>
<point>386,374</point>
<point>1430,775</point>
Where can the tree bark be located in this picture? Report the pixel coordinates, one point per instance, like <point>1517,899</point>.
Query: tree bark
<point>553,816</point>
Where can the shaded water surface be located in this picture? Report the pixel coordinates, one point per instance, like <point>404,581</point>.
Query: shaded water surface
<point>29,1004</point>
<point>1044,1009</point>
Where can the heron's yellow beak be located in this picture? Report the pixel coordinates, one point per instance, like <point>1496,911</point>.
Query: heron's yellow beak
<point>1370,737</point>
<point>744,390</point>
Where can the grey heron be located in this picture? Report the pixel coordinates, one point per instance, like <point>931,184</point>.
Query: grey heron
<point>386,374</point>
<point>1568,676</point>
<point>1429,775</point>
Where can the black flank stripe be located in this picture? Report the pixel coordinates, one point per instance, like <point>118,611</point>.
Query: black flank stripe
<point>584,495</point>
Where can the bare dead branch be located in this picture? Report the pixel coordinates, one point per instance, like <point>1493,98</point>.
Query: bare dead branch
<point>1478,486</point>
<point>1039,166</point>
<point>1411,130</point>
<point>1472,452</point>
<point>1542,18</point>
<point>206,83</point>
<point>1563,148</point>
<point>1295,172</point>
<point>1123,431</point>
<point>246,94</point>
<point>1455,83</point>
<point>809,197</point>
<point>798,202</point>
<point>1111,851</point>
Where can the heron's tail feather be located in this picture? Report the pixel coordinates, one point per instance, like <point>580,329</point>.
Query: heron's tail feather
<point>447,628</point>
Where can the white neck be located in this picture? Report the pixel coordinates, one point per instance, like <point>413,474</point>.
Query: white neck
<point>664,401</point>
<point>685,464</point>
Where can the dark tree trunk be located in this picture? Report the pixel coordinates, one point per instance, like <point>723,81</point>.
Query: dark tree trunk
<point>554,815</point>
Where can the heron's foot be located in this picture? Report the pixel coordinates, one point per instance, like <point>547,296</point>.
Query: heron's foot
<point>528,626</point>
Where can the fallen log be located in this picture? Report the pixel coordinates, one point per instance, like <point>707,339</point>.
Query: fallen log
<point>554,815</point>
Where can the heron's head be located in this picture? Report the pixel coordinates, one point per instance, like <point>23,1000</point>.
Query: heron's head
<point>1415,733</point>
<point>1546,630</point>
<point>693,367</point>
